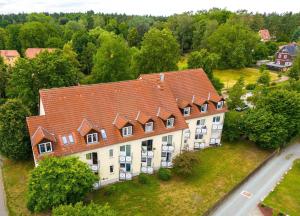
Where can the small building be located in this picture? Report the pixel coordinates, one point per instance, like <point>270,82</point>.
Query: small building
<point>264,35</point>
<point>33,52</point>
<point>9,56</point>
<point>284,57</point>
<point>122,129</point>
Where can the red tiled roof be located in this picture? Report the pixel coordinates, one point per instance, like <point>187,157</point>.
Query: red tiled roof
<point>9,53</point>
<point>120,121</point>
<point>33,52</point>
<point>264,34</point>
<point>66,108</point>
<point>86,126</point>
<point>143,118</point>
<point>188,84</point>
<point>41,134</point>
<point>182,103</point>
<point>163,114</point>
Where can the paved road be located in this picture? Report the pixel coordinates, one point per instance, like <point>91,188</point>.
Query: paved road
<point>3,209</point>
<point>259,185</point>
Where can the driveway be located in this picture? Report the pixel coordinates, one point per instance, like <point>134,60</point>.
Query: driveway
<point>245,199</point>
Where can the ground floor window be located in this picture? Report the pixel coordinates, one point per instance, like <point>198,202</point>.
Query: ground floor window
<point>125,167</point>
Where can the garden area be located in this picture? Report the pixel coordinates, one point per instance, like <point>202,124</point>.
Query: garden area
<point>286,196</point>
<point>230,76</point>
<point>218,171</point>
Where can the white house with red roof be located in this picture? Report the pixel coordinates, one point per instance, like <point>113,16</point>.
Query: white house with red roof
<point>124,128</point>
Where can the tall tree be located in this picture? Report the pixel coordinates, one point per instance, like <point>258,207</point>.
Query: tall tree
<point>295,70</point>
<point>15,143</point>
<point>112,60</point>
<point>3,78</point>
<point>159,52</point>
<point>47,70</point>
<point>234,43</point>
<point>3,38</point>
<point>235,94</point>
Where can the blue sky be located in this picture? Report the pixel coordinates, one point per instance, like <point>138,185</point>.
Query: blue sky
<point>142,7</point>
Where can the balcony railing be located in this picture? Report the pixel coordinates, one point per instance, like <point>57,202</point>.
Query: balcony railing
<point>199,145</point>
<point>217,126</point>
<point>148,154</point>
<point>214,141</point>
<point>145,169</point>
<point>166,164</point>
<point>125,175</point>
<point>167,148</point>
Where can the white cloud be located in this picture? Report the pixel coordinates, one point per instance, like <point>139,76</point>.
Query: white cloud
<point>154,7</point>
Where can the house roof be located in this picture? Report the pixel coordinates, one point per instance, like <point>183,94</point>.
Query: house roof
<point>291,48</point>
<point>108,107</point>
<point>40,134</point>
<point>33,52</point>
<point>264,34</point>
<point>192,86</point>
<point>9,53</point>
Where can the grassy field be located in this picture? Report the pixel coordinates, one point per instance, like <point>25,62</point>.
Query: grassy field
<point>230,76</point>
<point>220,169</point>
<point>286,196</point>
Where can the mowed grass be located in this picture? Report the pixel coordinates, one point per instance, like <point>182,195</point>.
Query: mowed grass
<point>15,176</point>
<point>286,196</point>
<point>230,76</point>
<point>219,171</point>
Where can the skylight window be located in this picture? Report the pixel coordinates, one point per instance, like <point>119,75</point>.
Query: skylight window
<point>103,134</point>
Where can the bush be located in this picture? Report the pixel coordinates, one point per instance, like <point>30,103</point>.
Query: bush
<point>144,178</point>
<point>83,210</point>
<point>109,190</point>
<point>233,126</point>
<point>251,86</point>
<point>164,174</point>
<point>59,181</point>
<point>185,163</point>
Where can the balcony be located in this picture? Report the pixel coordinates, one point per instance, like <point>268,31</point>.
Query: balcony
<point>148,154</point>
<point>166,164</point>
<point>125,176</point>
<point>145,169</point>
<point>214,141</point>
<point>167,148</point>
<point>125,159</point>
<point>199,145</point>
<point>217,126</point>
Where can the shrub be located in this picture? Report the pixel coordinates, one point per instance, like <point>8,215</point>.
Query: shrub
<point>164,174</point>
<point>233,126</point>
<point>144,178</point>
<point>59,181</point>
<point>185,163</point>
<point>251,86</point>
<point>83,210</point>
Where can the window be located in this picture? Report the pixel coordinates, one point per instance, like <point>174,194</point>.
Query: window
<point>170,122</point>
<point>279,55</point>
<point>216,119</point>
<point>92,138</point>
<point>103,134</point>
<point>167,139</point>
<point>111,168</point>
<point>125,167</point>
<point>147,145</point>
<point>111,152</point>
<point>126,149</point>
<point>71,139</point>
<point>149,127</point>
<point>285,56</point>
<point>186,111</point>
<point>198,134</point>
<point>204,108</point>
<point>187,133</point>
<point>88,156</point>
<point>220,104</point>
<point>127,131</point>
<point>64,139</point>
<point>45,147</point>
<point>201,122</point>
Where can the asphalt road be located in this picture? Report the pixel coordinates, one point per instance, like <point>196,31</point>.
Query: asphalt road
<point>245,199</point>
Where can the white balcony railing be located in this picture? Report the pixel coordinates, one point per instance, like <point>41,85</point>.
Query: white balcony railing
<point>148,170</point>
<point>125,176</point>
<point>124,159</point>
<point>217,126</point>
<point>167,148</point>
<point>199,145</point>
<point>148,154</point>
<point>166,164</point>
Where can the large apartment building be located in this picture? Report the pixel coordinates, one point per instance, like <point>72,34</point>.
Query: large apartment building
<point>124,128</point>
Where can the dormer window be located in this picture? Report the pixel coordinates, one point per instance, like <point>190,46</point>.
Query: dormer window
<point>204,108</point>
<point>92,138</point>
<point>45,147</point>
<point>186,111</point>
<point>170,122</point>
<point>149,126</point>
<point>220,104</point>
<point>127,131</point>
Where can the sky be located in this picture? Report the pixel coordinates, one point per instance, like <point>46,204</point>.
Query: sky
<point>146,7</point>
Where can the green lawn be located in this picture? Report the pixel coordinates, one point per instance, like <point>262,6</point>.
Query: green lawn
<point>220,169</point>
<point>230,76</point>
<point>286,196</point>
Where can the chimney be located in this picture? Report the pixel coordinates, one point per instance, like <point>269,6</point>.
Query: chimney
<point>161,77</point>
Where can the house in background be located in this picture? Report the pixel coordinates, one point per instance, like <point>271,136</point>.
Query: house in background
<point>284,57</point>
<point>125,128</point>
<point>9,56</point>
<point>264,35</point>
<point>33,52</point>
